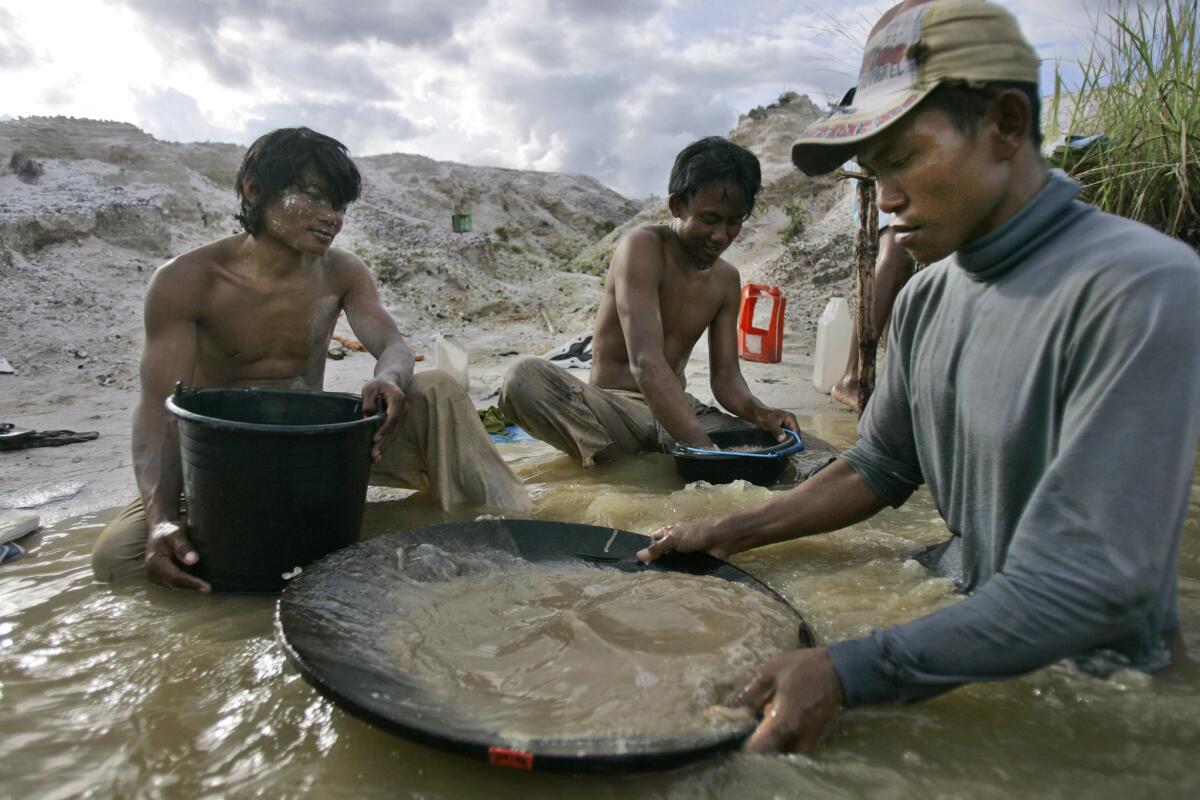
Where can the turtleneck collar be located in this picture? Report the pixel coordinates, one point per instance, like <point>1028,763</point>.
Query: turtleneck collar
<point>994,254</point>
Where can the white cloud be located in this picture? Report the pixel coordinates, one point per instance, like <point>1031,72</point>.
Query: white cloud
<point>175,116</point>
<point>15,52</point>
<point>612,89</point>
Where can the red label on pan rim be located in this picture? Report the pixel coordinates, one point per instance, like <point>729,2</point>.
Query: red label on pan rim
<point>514,759</point>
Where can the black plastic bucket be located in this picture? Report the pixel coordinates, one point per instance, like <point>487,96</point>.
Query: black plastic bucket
<point>274,479</point>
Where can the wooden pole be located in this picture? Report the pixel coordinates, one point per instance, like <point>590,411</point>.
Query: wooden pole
<point>866,251</point>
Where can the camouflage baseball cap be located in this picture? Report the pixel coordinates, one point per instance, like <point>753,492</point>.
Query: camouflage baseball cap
<point>909,53</point>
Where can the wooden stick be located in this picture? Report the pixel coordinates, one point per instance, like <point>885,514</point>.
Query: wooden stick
<point>350,344</point>
<point>359,347</point>
<point>546,319</point>
<point>866,251</point>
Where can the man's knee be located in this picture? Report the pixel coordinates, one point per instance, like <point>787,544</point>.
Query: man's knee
<point>106,567</point>
<point>524,381</point>
<point>113,559</point>
<point>120,550</point>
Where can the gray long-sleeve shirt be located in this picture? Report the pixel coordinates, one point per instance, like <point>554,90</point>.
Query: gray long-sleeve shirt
<point>1045,382</point>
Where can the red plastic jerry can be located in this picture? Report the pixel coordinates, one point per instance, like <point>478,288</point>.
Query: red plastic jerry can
<point>761,305</point>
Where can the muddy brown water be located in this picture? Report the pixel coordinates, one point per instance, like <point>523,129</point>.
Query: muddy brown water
<point>582,646</point>
<point>134,691</point>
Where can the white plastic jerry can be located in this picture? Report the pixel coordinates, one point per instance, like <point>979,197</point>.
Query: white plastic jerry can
<point>833,344</point>
<point>451,357</point>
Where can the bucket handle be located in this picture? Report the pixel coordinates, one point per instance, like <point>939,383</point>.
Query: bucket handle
<point>380,408</point>
<point>702,452</point>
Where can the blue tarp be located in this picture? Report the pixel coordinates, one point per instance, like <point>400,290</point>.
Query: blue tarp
<point>512,434</point>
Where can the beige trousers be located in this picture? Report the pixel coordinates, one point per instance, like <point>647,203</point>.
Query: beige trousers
<point>590,424</point>
<point>441,448</point>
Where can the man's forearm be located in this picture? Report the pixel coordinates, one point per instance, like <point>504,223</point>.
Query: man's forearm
<point>395,363</point>
<point>663,394</point>
<point>1013,625</point>
<point>737,400</point>
<point>156,465</point>
<point>832,499</point>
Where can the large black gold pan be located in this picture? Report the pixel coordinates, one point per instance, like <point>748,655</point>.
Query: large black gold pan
<point>333,618</point>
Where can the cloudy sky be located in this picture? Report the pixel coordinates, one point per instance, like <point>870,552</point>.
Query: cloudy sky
<point>609,88</point>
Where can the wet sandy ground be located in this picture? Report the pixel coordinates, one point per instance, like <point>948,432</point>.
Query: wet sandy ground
<point>58,482</point>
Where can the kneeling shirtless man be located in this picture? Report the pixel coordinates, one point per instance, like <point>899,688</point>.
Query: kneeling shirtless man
<point>667,285</point>
<point>259,309</point>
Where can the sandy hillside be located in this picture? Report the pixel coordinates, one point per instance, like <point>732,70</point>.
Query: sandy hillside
<point>79,241</point>
<point>99,205</point>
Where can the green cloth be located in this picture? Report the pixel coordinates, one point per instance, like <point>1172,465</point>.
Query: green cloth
<point>493,419</point>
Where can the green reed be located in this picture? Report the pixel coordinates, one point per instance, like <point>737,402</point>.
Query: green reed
<point>1140,87</point>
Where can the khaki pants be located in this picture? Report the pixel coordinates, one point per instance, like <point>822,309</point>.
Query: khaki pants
<point>590,424</point>
<point>441,448</point>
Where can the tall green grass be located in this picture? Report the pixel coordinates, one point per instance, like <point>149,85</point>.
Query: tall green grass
<point>1140,87</point>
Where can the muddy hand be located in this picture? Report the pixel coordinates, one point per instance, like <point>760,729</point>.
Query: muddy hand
<point>776,420</point>
<point>679,537</point>
<point>168,553</point>
<point>798,695</point>
<point>386,393</point>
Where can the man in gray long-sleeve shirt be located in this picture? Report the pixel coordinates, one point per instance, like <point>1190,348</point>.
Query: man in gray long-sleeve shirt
<point>1043,380</point>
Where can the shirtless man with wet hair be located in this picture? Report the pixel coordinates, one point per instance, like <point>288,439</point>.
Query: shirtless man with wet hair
<point>666,286</point>
<point>258,309</point>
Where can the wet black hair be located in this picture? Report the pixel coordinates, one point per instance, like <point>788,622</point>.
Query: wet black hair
<point>965,104</point>
<point>715,159</point>
<point>274,163</point>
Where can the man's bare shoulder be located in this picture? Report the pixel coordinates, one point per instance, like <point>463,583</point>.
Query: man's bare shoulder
<point>644,245</point>
<point>341,262</point>
<point>648,235</point>
<point>345,272</point>
<point>178,287</point>
<point>197,265</point>
<point>726,273</point>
